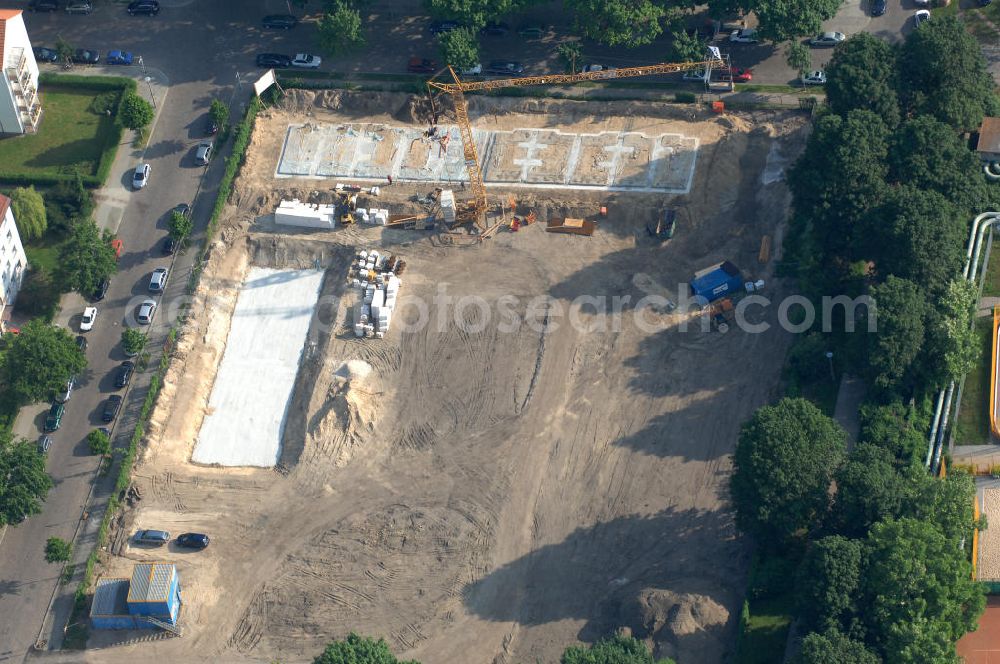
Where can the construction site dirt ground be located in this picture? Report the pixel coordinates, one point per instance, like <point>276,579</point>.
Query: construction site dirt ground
<point>476,494</point>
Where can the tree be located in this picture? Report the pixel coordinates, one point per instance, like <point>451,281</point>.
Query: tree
<point>798,57</point>
<point>839,177</point>
<point>918,593</point>
<point>459,48</point>
<point>834,646</point>
<point>895,427</point>
<point>57,550</point>
<point>29,212</point>
<point>133,341</point>
<point>135,112</point>
<point>38,295</point>
<point>64,49</point>
<point>862,74</point>
<point>67,203</point>
<point>571,54</point>
<point>23,481</point>
<point>947,504</point>
<point>891,350</point>
<point>628,23</point>
<point>359,650</point>
<point>475,13</point>
<point>180,225</point>
<point>951,348</point>
<point>87,258</point>
<point>943,73</point>
<point>614,650</point>
<point>782,20</point>
<point>340,29</point>
<point>870,489</point>
<point>828,580</point>
<point>687,46</point>
<point>219,113</point>
<point>99,442</point>
<point>783,465</point>
<point>39,361</point>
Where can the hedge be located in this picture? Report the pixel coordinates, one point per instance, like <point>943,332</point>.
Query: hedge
<point>89,82</point>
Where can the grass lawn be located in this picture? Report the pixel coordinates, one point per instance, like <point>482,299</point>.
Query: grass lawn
<point>70,137</point>
<point>43,253</point>
<point>766,634</point>
<point>973,425</point>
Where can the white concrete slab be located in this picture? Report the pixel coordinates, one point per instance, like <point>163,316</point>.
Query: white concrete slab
<point>253,388</point>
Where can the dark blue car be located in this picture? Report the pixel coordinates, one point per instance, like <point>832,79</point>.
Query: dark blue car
<point>193,540</point>
<point>119,58</point>
<point>878,7</point>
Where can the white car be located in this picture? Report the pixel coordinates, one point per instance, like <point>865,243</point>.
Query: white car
<point>816,77</point>
<point>922,3</point>
<point>146,311</point>
<point>87,321</point>
<point>699,75</point>
<point>921,16</point>
<point>307,61</point>
<point>743,36</point>
<point>474,70</point>
<point>141,177</point>
<point>827,39</point>
<point>158,281</point>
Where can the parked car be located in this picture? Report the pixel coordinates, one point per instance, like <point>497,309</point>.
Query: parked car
<point>87,321</point>
<point>816,77</point>
<point>54,419</point>
<point>421,66</point>
<point>274,60</point>
<point>141,176</point>
<point>119,58</point>
<point>279,21</point>
<point>182,208</point>
<point>922,3</point>
<point>437,27</point>
<point>169,246</point>
<point>124,374</point>
<point>158,280</point>
<point>307,61</point>
<point>495,29</point>
<point>146,311</point>
<point>81,343</point>
<point>101,290</point>
<point>204,153</point>
<point>154,537</point>
<point>532,31</point>
<point>44,5</point>
<point>43,54</point>
<point>878,7</point>
<point>743,36</point>
<point>79,7</point>
<point>827,39</point>
<point>699,75</point>
<point>192,540</point>
<point>595,67</point>
<point>82,56</point>
<point>211,127</point>
<point>111,407</point>
<point>504,68</point>
<point>474,70</point>
<point>67,390</point>
<point>921,16</point>
<point>147,7</point>
<point>741,75</point>
<point>44,443</point>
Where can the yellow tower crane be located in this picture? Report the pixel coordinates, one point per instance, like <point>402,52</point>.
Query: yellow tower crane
<point>475,212</point>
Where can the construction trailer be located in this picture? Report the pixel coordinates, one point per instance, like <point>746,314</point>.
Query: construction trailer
<point>150,599</point>
<point>716,281</point>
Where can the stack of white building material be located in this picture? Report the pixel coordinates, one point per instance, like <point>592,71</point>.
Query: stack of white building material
<point>374,275</point>
<point>376,216</point>
<point>448,205</point>
<point>310,215</point>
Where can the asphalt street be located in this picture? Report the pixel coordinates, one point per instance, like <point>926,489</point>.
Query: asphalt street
<point>193,52</point>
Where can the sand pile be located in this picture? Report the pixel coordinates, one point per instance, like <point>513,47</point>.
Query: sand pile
<point>685,626</point>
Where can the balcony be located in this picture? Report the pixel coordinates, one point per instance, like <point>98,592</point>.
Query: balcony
<point>17,66</point>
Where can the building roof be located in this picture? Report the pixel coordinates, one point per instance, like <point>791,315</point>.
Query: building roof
<point>989,135</point>
<point>4,204</point>
<point>151,582</point>
<point>110,598</point>
<point>6,15</point>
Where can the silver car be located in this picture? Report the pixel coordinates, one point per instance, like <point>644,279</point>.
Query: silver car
<point>146,311</point>
<point>158,281</point>
<point>204,153</point>
<point>141,177</point>
<point>827,39</point>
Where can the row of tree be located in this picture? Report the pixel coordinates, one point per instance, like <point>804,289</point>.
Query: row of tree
<point>882,198</point>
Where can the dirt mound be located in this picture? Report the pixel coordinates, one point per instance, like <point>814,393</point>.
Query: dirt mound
<point>685,626</point>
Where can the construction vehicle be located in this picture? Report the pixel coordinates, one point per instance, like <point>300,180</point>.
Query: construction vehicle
<point>475,211</point>
<point>349,201</point>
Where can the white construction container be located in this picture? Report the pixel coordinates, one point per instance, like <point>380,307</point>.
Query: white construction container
<point>378,299</point>
<point>359,329</point>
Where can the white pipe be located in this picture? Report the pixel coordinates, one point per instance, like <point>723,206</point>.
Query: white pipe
<point>972,239</point>
<point>979,244</point>
<point>943,429</point>
<point>934,429</point>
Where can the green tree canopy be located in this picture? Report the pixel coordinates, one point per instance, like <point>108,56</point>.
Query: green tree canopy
<point>29,212</point>
<point>133,341</point>
<point>901,309</point>
<point>798,57</point>
<point>475,13</point>
<point>180,225</point>
<point>87,258</point>
<point>614,650</point>
<point>359,650</point>
<point>870,489</point>
<point>828,581</point>
<point>135,112</point>
<point>340,29</point>
<point>896,427</point>
<point>781,20</point>
<point>834,646</point>
<point>947,504</point>
<point>784,462</point>
<point>943,73</point>
<point>23,481</point>
<point>862,74</point>
<point>571,55</point>
<point>918,593</point>
<point>459,48</point>
<point>99,442</point>
<point>687,46</point>
<point>68,202</point>
<point>951,348</point>
<point>57,550</point>
<point>219,113</point>
<point>39,361</point>
<point>627,23</point>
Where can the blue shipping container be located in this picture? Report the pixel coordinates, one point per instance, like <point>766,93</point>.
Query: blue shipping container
<point>716,281</point>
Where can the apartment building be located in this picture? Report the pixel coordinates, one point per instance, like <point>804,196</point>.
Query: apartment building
<point>13,261</point>
<point>20,105</point>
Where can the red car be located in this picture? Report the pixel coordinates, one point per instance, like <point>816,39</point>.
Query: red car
<point>421,66</point>
<point>741,75</point>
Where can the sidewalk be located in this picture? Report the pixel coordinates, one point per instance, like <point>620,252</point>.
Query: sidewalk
<point>847,412</point>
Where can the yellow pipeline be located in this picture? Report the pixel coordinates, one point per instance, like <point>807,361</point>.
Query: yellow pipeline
<point>993,375</point>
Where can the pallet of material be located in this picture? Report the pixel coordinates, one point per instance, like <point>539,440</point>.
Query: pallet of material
<point>571,226</point>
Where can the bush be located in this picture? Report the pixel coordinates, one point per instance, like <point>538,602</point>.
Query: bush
<point>133,341</point>
<point>135,112</point>
<point>99,442</point>
<point>57,550</point>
